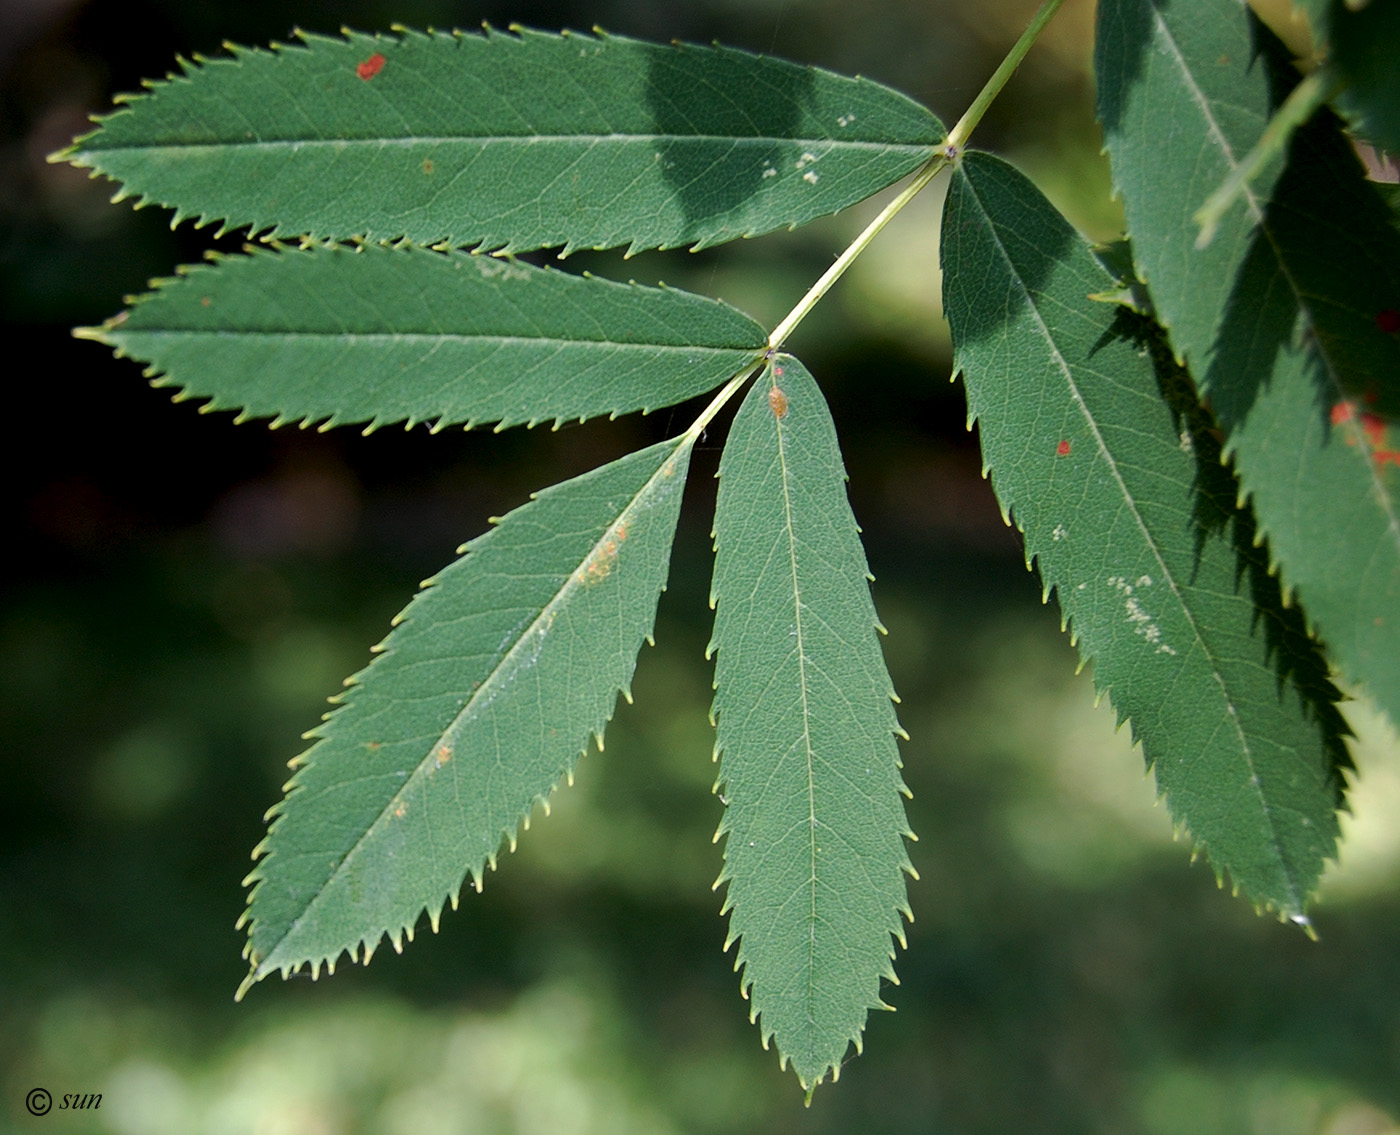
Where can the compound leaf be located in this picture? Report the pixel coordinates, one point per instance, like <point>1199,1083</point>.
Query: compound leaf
<point>512,141</point>
<point>483,698</point>
<point>1288,319</point>
<point>383,335</point>
<point>1099,450</point>
<point>815,853</point>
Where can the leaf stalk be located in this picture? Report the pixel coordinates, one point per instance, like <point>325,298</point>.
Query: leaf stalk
<point>948,152</point>
<point>943,156</point>
<point>958,136</point>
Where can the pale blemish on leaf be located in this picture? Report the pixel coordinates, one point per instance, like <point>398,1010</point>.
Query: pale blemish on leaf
<point>600,564</point>
<point>1142,623</point>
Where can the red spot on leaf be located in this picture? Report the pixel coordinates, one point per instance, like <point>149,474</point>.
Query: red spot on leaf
<point>1388,321</point>
<point>1374,426</point>
<point>371,67</point>
<point>1062,450</point>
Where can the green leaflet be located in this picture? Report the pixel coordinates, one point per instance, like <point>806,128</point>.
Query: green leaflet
<point>1182,98</point>
<point>1363,52</point>
<point>815,851</point>
<point>485,696</point>
<point>383,335</point>
<point>513,141</point>
<point>1106,462</point>
<point>1281,317</point>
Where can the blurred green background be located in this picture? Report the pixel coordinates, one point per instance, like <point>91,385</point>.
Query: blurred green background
<point>181,595</point>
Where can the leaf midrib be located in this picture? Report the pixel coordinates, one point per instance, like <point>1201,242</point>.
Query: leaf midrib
<point>571,585</point>
<point>791,534</point>
<point>431,337</point>
<point>475,140</point>
<point>1358,440</point>
<point>1167,574</point>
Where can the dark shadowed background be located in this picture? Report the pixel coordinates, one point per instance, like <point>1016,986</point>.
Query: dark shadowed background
<point>181,595</point>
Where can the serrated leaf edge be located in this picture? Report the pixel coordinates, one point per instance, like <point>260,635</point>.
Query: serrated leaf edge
<point>746,982</point>
<point>1296,911</point>
<point>364,950</point>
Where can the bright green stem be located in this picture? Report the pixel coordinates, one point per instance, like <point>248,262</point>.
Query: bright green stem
<point>946,153</point>
<point>960,133</point>
<point>926,174</point>
<point>1297,108</point>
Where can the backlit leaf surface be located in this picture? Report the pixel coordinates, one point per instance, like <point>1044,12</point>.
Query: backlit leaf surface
<point>484,696</point>
<point>815,826</point>
<point>516,141</point>
<point>384,335</point>
<point>1101,455</point>
<point>1283,318</point>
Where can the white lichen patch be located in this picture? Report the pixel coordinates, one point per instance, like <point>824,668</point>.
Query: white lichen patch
<point>810,177</point>
<point>1188,444</point>
<point>1142,623</point>
<point>805,160</point>
<point>497,267</point>
<point>1059,533</point>
<point>769,171</point>
<point>845,119</point>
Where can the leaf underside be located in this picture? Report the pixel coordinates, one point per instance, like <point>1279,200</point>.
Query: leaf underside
<point>814,855</point>
<point>1102,456</point>
<point>1281,317</point>
<point>380,335</point>
<point>510,141</point>
<point>483,698</point>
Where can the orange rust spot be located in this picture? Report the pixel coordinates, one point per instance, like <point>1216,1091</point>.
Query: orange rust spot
<point>205,301</point>
<point>600,564</point>
<point>1374,427</point>
<point>428,165</point>
<point>777,401</point>
<point>1062,450</point>
<point>443,755</point>
<point>399,810</point>
<point>371,67</point>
